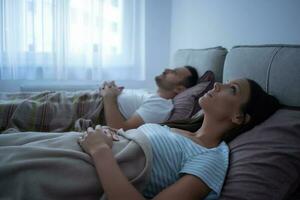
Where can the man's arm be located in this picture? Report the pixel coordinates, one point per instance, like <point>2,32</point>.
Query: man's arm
<point>114,117</point>
<point>112,113</point>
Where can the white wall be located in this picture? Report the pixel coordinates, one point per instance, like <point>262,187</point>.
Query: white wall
<point>158,27</point>
<point>207,23</point>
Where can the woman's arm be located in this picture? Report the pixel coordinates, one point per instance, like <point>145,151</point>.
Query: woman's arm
<point>188,187</point>
<point>98,144</point>
<point>117,186</point>
<point>114,183</point>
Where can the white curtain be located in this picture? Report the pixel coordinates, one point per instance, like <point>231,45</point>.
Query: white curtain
<point>71,39</point>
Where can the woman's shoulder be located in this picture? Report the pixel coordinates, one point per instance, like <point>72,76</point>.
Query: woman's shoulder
<point>221,152</point>
<point>223,148</point>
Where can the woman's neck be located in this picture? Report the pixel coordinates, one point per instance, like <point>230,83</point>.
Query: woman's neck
<point>211,132</point>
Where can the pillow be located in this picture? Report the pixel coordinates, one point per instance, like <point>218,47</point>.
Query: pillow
<point>265,161</point>
<point>186,102</point>
<point>207,76</point>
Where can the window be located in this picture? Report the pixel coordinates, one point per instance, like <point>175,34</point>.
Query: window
<point>68,39</point>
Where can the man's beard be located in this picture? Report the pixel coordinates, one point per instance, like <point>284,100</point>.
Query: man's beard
<point>162,84</point>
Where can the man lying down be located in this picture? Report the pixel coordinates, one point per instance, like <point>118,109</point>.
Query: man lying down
<point>68,111</point>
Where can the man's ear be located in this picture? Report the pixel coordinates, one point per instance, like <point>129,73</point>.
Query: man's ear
<point>179,88</point>
<point>241,119</point>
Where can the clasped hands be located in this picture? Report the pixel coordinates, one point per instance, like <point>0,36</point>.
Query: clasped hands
<point>94,140</point>
<point>110,89</point>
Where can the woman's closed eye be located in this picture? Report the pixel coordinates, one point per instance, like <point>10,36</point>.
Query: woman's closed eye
<point>233,89</point>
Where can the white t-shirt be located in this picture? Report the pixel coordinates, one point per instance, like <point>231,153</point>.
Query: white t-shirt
<point>175,155</point>
<point>149,106</point>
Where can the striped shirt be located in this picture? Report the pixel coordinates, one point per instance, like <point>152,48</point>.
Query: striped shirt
<point>175,155</point>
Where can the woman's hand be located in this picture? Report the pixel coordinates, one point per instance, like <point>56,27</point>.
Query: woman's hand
<point>95,140</point>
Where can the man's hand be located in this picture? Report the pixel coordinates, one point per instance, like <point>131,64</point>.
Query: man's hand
<point>108,83</point>
<point>110,90</point>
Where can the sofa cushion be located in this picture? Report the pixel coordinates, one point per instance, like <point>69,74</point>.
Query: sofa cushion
<point>274,67</point>
<point>209,59</point>
<point>186,103</point>
<point>265,161</point>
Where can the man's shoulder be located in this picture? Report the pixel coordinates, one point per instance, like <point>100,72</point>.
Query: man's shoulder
<point>158,99</point>
<point>137,92</point>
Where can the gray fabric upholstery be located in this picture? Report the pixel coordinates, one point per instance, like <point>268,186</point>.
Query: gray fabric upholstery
<point>275,67</point>
<point>265,161</point>
<point>284,80</point>
<point>203,59</point>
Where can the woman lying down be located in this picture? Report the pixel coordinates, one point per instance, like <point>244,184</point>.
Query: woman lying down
<point>150,162</point>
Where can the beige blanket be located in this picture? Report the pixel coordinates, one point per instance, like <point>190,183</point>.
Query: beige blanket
<point>36,165</point>
<point>51,111</point>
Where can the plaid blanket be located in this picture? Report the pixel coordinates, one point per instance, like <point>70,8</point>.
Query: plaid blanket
<point>50,111</point>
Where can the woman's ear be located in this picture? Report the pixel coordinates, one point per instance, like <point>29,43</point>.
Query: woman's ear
<point>241,119</point>
<point>247,118</point>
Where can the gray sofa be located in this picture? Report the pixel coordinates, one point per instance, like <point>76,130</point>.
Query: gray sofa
<point>265,161</point>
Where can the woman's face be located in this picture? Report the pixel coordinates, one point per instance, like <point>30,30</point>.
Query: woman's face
<point>224,101</point>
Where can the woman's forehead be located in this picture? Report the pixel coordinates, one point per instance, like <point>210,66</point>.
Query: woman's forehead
<point>244,87</point>
<point>242,82</point>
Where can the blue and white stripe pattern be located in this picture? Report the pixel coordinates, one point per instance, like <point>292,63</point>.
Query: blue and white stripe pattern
<point>175,155</point>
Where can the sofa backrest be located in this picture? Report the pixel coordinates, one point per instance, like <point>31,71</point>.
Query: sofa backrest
<point>275,67</point>
<point>202,59</point>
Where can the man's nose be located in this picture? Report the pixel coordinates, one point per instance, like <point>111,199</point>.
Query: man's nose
<point>167,70</point>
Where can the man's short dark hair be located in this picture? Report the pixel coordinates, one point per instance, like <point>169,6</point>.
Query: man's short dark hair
<point>191,80</point>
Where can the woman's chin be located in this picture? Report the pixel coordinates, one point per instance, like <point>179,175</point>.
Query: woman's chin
<point>201,101</point>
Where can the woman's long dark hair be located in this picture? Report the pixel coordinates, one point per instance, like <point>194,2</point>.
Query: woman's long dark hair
<point>259,106</point>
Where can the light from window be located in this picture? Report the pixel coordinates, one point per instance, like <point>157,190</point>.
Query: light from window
<point>38,22</point>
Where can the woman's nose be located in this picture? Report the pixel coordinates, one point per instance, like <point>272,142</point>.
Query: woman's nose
<point>217,86</point>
